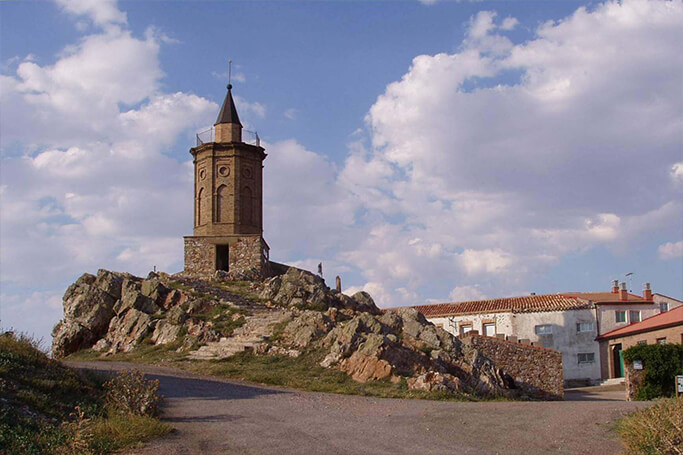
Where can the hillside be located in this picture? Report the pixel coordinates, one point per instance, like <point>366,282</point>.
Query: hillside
<point>48,408</point>
<point>290,329</point>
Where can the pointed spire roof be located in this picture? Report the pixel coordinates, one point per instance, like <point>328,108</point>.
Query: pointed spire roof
<point>228,113</point>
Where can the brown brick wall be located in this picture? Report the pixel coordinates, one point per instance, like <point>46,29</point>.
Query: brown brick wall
<point>537,371</point>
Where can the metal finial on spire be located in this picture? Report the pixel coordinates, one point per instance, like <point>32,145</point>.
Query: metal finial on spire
<point>229,74</point>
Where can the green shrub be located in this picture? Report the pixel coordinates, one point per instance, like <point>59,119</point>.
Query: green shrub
<point>657,430</point>
<point>662,363</point>
<point>131,393</point>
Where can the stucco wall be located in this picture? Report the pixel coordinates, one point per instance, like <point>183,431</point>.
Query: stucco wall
<point>537,371</point>
<point>452,324</point>
<point>564,338</point>
<point>673,303</point>
<point>607,314</point>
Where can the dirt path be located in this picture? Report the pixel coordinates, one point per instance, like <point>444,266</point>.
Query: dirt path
<point>215,416</point>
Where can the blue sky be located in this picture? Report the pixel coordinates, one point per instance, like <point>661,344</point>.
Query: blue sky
<point>423,151</point>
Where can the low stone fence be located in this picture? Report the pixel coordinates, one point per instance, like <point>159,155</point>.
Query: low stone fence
<point>537,371</point>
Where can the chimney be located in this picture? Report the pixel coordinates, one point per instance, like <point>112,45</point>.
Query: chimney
<point>615,286</point>
<point>647,292</point>
<point>623,293</point>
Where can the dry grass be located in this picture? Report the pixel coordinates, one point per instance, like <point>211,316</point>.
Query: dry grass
<point>657,430</point>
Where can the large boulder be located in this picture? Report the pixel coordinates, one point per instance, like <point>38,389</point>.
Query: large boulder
<point>128,329</point>
<point>297,288</point>
<point>307,327</point>
<point>69,337</point>
<point>87,312</point>
<point>154,288</point>
<point>165,333</point>
<point>132,297</point>
<point>110,282</point>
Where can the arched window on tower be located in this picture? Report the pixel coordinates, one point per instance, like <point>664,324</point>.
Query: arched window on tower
<point>200,195</point>
<point>246,206</point>
<point>222,212</point>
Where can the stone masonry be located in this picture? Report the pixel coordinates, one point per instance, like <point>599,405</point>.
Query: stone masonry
<point>246,255</point>
<point>200,256</point>
<point>537,371</point>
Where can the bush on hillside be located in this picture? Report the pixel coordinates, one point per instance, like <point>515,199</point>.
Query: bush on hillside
<point>131,393</point>
<point>662,363</point>
<point>657,430</point>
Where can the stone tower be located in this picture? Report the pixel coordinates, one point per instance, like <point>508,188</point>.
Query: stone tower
<point>228,201</point>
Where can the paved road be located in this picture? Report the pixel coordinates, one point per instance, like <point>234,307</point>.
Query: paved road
<point>216,416</point>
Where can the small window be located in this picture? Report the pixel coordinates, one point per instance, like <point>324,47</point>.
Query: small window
<point>489,329</point>
<point>661,340</point>
<point>641,342</point>
<point>621,316</point>
<point>634,316</point>
<point>587,357</point>
<point>545,329</point>
<point>584,326</point>
<point>663,307</point>
<point>465,328</point>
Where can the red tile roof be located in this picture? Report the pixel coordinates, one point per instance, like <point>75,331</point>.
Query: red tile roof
<point>607,297</point>
<point>661,320</point>
<point>525,304</point>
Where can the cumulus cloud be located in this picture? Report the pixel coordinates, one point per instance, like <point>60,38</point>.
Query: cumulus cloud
<point>671,250</point>
<point>101,12</point>
<point>466,293</point>
<point>547,155</point>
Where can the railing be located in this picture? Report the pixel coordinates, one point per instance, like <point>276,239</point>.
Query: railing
<point>248,137</point>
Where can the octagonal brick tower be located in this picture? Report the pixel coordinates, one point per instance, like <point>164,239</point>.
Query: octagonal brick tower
<point>228,201</point>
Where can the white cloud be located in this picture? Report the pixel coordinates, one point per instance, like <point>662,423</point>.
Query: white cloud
<point>677,172</point>
<point>466,293</point>
<point>671,250</point>
<point>290,113</point>
<point>509,23</point>
<point>485,261</point>
<point>246,107</point>
<point>101,12</point>
<point>508,178</point>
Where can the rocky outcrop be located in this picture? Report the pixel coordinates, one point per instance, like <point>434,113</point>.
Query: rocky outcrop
<point>294,314</point>
<point>368,345</point>
<point>114,312</point>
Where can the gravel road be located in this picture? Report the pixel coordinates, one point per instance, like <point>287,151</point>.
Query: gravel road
<point>216,416</point>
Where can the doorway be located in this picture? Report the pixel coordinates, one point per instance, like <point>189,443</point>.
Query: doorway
<point>222,258</point>
<point>618,361</point>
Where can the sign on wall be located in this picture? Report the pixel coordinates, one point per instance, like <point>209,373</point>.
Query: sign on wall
<point>679,385</point>
<point>637,364</point>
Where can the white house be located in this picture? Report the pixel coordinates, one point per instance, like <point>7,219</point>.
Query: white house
<point>568,322</point>
<point>560,322</point>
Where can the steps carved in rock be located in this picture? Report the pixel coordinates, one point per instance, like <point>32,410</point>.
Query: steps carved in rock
<point>255,331</point>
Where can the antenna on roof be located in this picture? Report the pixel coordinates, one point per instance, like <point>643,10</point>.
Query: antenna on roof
<point>629,278</point>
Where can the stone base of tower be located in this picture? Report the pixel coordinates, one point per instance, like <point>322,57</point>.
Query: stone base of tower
<point>239,256</point>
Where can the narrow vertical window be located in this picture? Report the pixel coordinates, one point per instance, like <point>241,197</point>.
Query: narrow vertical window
<point>200,195</point>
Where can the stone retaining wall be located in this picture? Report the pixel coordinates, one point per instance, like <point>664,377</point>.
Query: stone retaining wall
<point>537,371</point>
